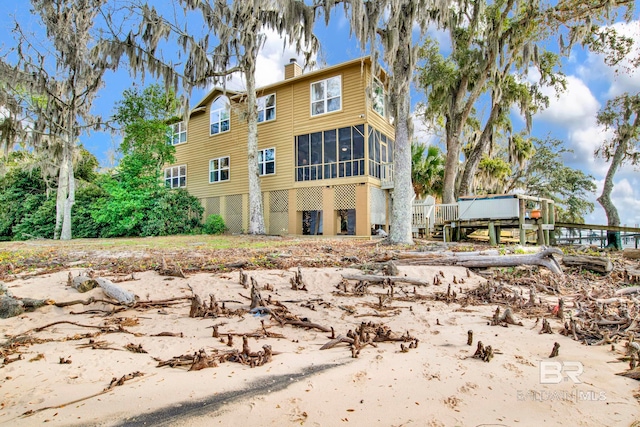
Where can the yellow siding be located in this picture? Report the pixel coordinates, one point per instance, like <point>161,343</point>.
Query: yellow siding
<point>293,117</point>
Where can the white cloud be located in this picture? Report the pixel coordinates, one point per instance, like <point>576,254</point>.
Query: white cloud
<point>570,107</point>
<point>273,56</point>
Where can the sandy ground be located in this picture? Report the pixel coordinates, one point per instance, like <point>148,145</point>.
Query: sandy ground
<point>436,384</point>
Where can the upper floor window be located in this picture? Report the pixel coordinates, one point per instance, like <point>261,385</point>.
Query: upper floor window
<point>267,161</point>
<point>219,119</point>
<point>219,169</point>
<point>178,133</point>
<point>267,108</point>
<point>326,96</point>
<point>378,98</point>
<point>176,176</point>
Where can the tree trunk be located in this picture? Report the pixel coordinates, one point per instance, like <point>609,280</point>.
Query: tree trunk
<point>256,215</point>
<point>471,166</point>
<point>69,201</point>
<point>451,169</point>
<point>62,194</point>
<point>605,198</point>
<point>400,232</point>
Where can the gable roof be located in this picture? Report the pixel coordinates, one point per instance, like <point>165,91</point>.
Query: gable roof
<point>216,91</point>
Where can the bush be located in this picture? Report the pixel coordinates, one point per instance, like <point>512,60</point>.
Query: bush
<point>173,212</point>
<point>214,225</point>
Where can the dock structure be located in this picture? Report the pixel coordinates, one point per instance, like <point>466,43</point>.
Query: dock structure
<point>528,215</point>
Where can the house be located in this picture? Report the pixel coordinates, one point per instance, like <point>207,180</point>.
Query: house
<point>325,152</point>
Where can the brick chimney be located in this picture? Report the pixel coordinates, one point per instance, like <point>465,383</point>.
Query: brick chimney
<point>292,69</point>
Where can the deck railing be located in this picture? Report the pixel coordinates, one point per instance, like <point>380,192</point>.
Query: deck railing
<point>445,213</point>
<point>422,216</point>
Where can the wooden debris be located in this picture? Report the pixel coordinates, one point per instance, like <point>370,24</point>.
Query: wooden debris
<point>543,258</point>
<point>175,271</point>
<point>469,337</point>
<point>505,319</point>
<point>256,298</point>
<point>135,348</point>
<point>483,353</point>
<point>244,279</point>
<point>83,282</point>
<point>555,350</point>
<point>372,278</point>
<point>116,382</point>
<point>593,263</point>
<point>116,292</point>
<point>297,283</point>
<point>546,327</point>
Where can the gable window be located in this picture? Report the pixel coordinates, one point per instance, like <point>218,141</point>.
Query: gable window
<point>267,161</point>
<point>178,133</point>
<point>176,176</point>
<point>378,98</point>
<point>219,169</point>
<point>219,118</point>
<point>267,108</point>
<point>326,96</point>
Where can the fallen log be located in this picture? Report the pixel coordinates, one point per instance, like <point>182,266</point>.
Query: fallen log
<point>593,263</point>
<point>116,292</point>
<point>378,279</point>
<point>627,291</point>
<point>631,253</point>
<point>543,258</point>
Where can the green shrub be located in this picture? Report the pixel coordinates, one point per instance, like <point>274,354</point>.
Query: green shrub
<point>173,212</point>
<point>214,225</point>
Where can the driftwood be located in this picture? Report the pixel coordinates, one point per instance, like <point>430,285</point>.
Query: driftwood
<point>593,263</point>
<point>116,292</point>
<point>11,306</point>
<point>82,283</point>
<point>115,382</point>
<point>543,258</point>
<point>378,279</point>
<point>628,291</point>
<point>631,253</point>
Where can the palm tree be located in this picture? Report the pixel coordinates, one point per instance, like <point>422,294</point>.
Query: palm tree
<point>427,170</point>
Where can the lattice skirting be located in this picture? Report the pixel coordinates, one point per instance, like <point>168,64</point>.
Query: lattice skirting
<point>211,206</point>
<point>233,214</point>
<point>309,199</point>
<point>344,197</point>
<point>279,212</point>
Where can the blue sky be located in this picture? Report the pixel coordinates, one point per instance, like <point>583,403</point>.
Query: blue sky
<point>570,116</point>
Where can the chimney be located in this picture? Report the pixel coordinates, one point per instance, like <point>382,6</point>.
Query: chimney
<point>292,69</point>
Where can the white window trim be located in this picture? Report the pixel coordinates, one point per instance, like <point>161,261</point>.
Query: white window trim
<point>311,101</point>
<point>220,115</point>
<point>228,168</point>
<point>182,129</point>
<point>265,109</point>
<point>261,165</point>
<point>377,81</point>
<point>176,168</point>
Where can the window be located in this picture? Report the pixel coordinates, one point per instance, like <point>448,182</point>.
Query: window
<point>335,153</point>
<point>267,108</point>
<point>176,176</point>
<point>219,169</point>
<point>267,161</point>
<point>219,118</point>
<point>380,151</point>
<point>178,133</point>
<point>378,98</point>
<point>326,96</point>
